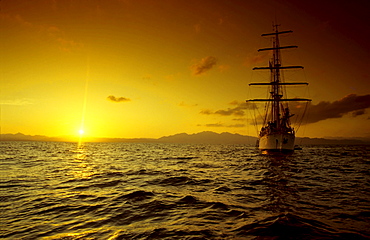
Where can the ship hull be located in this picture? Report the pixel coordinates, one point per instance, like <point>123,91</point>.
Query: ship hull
<point>283,143</point>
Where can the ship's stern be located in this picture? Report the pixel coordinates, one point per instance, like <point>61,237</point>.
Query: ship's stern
<point>283,143</point>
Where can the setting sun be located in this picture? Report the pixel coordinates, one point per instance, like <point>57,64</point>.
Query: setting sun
<point>147,69</point>
<point>180,119</point>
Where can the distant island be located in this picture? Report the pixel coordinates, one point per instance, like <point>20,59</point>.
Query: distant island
<point>206,137</point>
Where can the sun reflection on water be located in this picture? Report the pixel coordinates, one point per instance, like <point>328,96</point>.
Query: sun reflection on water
<point>83,167</point>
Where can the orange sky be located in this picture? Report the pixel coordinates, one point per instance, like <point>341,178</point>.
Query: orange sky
<point>125,68</point>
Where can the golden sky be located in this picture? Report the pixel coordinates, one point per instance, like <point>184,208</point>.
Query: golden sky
<point>143,68</point>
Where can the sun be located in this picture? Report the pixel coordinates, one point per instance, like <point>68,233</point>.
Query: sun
<point>81,131</point>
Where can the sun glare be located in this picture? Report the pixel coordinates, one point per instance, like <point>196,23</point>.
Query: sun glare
<point>81,131</point>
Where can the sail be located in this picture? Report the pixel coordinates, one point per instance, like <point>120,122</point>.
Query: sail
<point>281,83</point>
<point>277,134</point>
<point>280,100</point>
<point>277,67</point>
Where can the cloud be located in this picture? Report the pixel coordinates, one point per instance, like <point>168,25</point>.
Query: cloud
<point>238,110</point>
<point>358,113</point>
<point>147,77</point>
<point>183,104</point>
<point>257,59</point>
<point>223,68</point>
<point>117,99</point>
<point>351,103</point>
<point>240,119</point>
<point>42,32</point>
<point>65,44</point>
<point>222,125</point>
<point>17,102</point>
<point>214,125</point>
<point>206,112</point>
<point>172,77</point>
<point>204,65</point>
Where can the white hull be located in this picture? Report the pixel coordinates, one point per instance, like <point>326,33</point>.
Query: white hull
<point>277,142</point>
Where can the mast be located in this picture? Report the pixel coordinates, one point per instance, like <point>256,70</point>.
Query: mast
<point>276,95</point>
<point>276,83</point>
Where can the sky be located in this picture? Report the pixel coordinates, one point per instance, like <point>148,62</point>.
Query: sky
<point>142,68</point>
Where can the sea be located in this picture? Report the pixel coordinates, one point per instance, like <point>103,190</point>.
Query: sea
<point>55,190</point>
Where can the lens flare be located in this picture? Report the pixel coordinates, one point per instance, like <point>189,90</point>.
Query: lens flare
<point>81,131</point>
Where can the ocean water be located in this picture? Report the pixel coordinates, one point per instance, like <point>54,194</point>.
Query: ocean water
<point>181,191</point>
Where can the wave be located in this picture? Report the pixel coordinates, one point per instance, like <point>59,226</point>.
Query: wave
<point>290,226</point>
<point>179,158</point>
<point>178,181</point>
<point>144,191</point>
<point>136,195</point>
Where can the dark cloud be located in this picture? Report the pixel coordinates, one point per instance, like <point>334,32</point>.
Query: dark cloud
<point>351,103</point>
<point>206,112</point>
<point>238,110</point>
<point>231,111</point>
<point>204,65</point>
<point>358,113</point>
<point>117,99</point>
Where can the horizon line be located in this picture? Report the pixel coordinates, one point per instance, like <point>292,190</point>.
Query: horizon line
<point>70,138</point>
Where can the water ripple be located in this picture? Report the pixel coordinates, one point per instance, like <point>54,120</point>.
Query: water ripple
<point>172,191</point>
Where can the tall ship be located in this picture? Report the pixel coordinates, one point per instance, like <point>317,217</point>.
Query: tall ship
<point>277,134</point>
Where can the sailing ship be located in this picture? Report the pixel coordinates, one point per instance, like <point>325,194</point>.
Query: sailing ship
<point>277,134</point>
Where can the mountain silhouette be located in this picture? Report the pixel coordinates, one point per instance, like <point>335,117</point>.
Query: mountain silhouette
<point>206,137</point>
<point>209,137</point>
